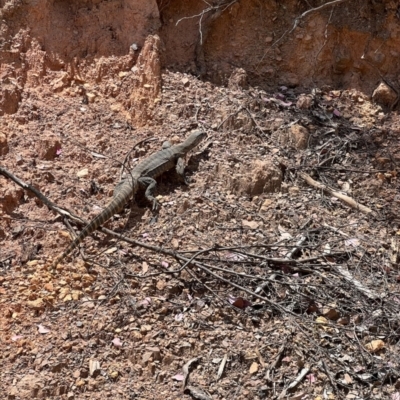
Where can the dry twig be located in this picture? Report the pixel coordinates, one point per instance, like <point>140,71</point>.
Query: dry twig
<point>346,199</point>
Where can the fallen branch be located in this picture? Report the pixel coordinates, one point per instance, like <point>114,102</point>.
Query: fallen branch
<point>273,365</point>
<point>356,283</point>
<point>62,211</point>
<point>346,199</point>
<point>299,378</point>
<point>205,267</point>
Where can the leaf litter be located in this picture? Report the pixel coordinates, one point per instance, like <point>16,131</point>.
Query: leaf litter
<point>290,288</point>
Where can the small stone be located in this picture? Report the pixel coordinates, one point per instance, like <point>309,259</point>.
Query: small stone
<point>147,356</point>
<point>136,336</point>
<point>375,345</point>
<point>145,328</point>
<point>261,177</point>
<point>304,102</point>
<point>155,351</point>
<point>113,374</point>
<point>116,107</point>
<point>37,304</point>
<point>68,297</point>
<point>49,287</point>
<point>76,374</point>
<point>19,159</point>
<point>3,144</point>
<point>267,204</point>
<point>83,172</point>
<point>161,285</point>
<point>91,97</point>
<point>64,234</point>
<point>299,136</point>
<point>76,295</point>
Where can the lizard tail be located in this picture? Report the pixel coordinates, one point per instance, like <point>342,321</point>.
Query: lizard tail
<point>114,207</point>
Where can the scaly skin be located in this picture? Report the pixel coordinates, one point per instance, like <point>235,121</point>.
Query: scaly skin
<point>143,174</point>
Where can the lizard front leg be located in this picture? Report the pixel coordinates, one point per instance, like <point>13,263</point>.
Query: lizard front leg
<point>180,169</point>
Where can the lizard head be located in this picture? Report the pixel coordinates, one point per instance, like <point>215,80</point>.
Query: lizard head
<point>196,137</point>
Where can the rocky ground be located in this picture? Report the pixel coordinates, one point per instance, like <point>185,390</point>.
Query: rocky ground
<point>251,282</point>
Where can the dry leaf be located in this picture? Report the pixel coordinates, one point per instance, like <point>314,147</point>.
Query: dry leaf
<point>239,302</point>
<point>222,367</point>
<point>117,342</point>
<point>253,368</point>
<point>83,172</point>
<point>145,267</point>
<point>347,379</point>
<point>178,377</point>
<point>179,317</point>
<point>311,378</point>
<point>42,329</point>
<point>321,320</point>
<point>111,250</point>
<point>250,224</point>
<point>354,242</point>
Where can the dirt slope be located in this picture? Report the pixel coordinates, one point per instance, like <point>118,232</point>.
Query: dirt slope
<point>254,279</point>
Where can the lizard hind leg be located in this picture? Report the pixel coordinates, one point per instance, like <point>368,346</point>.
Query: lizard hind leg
<point>150,185</point>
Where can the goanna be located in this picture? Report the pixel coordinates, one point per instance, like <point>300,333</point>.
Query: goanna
<point>143,174</point>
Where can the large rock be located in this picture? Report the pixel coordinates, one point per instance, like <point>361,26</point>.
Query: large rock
<point>238,79</point>
<point>48,146</point>
<point>263,176</point>
<point>384,95</point>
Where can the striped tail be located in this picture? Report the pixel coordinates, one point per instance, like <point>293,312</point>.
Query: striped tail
<point>116,205</point>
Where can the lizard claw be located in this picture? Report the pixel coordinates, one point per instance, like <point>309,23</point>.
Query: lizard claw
<point>155,205</point>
